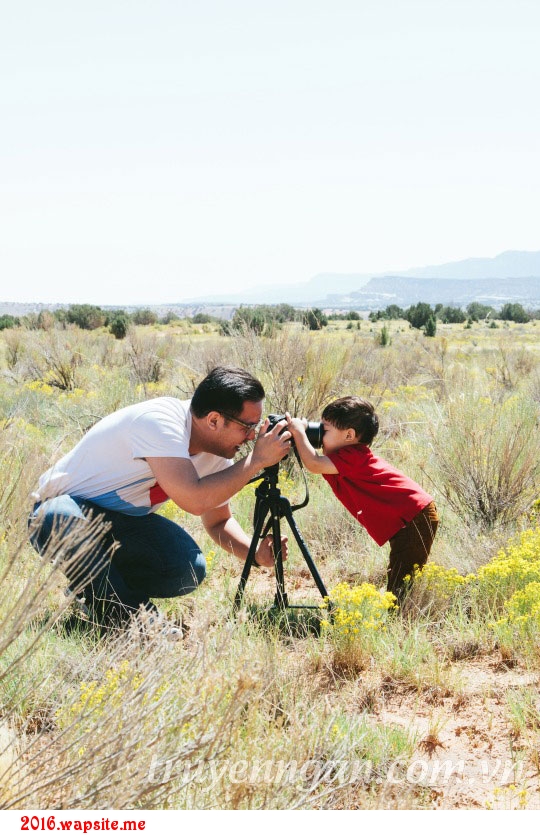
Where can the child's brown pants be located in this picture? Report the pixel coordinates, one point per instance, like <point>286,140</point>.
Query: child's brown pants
<point>411,546</point>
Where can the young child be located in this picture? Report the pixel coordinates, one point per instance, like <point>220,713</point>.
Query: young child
<point>391,507</point>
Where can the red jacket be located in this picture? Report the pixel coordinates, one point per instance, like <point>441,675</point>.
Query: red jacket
<point>381,498</point>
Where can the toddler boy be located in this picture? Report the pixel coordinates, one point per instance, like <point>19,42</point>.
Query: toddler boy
<point>391,507</point>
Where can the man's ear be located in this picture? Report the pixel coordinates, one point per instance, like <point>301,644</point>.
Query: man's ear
<point>213,420</point>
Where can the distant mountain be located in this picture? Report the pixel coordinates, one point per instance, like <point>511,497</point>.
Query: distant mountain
<point>509,277</point>
<point>304,293</point>
<point>511,264</point>
<point>458,292</point>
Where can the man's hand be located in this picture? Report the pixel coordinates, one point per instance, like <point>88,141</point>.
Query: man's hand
<point>270,447</point>
<point>227,533</point>
<point>265,552</point>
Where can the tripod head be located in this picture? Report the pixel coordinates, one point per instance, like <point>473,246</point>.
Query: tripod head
<point>270,479</point>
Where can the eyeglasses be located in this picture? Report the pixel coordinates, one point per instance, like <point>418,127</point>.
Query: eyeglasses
<point>248,427</point>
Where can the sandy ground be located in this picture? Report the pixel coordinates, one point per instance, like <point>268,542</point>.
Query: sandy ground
<point>469,754</point>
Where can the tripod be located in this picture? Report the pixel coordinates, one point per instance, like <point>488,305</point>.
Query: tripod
<point>270,508</point>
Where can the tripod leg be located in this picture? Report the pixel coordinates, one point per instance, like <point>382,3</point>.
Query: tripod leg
<point>305,552</point>
<point>261,511</point>
<point>280,600</point>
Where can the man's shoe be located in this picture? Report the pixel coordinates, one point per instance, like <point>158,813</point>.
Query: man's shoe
<point>154,623</point>
<point>79,604</point>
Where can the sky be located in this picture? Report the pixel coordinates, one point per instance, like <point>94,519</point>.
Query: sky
<point>159,150</point>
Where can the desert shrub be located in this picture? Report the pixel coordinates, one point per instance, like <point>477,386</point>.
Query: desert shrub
<point>45,320</point>
<point>86,316</point>
<point>23,447</point>
<point>300,377</point>
<point>451,314</point>
<point>512,364</point>
<point>513,312</point>
<point>299,374</point>
<point>148,357</point>
<point>119,324</point>
<point>430,328</point>
<point>144,316</point>
<point>392,311</point>
<point>419,314</point>
<point>372,372</point>
<point>384,337</point>
<point>15,347</point>
<point>315,319</point>
<point>484,456</point>
<point>248,318</point>
<point>478,311</point>
<point>129,727</point>
<point>7,321</point>
<point>54,358</point>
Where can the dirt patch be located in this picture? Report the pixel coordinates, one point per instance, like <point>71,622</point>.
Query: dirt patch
<point>468,754</point>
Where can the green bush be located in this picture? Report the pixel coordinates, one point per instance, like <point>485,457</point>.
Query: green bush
<point>7,321</point>
<point>86,316</point>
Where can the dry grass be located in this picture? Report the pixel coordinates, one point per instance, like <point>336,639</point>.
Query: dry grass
<point>251,712</point>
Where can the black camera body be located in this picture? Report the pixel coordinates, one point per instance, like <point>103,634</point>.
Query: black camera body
<point>314,430</point>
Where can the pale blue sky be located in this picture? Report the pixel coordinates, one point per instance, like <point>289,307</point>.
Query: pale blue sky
<point>153,151</point>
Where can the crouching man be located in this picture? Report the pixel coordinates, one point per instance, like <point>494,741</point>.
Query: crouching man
<point>132,461</point>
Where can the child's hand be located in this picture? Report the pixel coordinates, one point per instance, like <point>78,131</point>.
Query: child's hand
<point>296,426</point>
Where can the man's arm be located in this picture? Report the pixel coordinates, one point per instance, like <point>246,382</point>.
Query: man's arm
<point>221,525</point>
<point>178,477</point>
<point>315,463</point>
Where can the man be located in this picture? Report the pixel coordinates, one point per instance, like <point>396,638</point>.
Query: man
<point>132,461</point>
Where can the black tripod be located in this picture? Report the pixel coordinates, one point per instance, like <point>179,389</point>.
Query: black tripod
<point>270,507</point>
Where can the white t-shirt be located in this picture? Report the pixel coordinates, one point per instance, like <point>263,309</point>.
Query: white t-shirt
<point>107,466</point>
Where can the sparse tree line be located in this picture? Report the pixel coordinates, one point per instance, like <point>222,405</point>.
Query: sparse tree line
<point>90,317</point>
<point>265,318</point>
<point>259,319</point>
<point>419,314</point>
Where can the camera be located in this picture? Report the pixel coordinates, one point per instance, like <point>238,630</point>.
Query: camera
<point>314,430</point>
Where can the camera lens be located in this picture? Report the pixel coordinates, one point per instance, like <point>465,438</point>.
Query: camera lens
<point>315,432</point>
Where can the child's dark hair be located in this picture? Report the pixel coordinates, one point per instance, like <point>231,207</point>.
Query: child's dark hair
<point>353,412</point>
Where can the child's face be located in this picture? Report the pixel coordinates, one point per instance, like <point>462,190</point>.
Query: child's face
<point>334,438</point>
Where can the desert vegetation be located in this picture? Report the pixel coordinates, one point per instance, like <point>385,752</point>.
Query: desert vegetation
<point>431,705</point>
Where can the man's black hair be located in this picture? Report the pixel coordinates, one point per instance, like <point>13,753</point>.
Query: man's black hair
<point>226,389</point>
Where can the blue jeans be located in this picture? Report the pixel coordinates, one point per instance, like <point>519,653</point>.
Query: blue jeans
<point>133,559</point>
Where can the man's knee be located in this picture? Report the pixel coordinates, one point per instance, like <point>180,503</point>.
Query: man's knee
<point>54,518</point>
<point>183,563</point>
<point>166,562</point>
<point>188,575</point>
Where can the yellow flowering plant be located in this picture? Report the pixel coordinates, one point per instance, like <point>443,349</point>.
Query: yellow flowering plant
<point>97,697</point>
<point>435,586</point>
<point>357,610</point>
<point>39,386</point>
<point>511,570</point>
<point>523,609</point>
